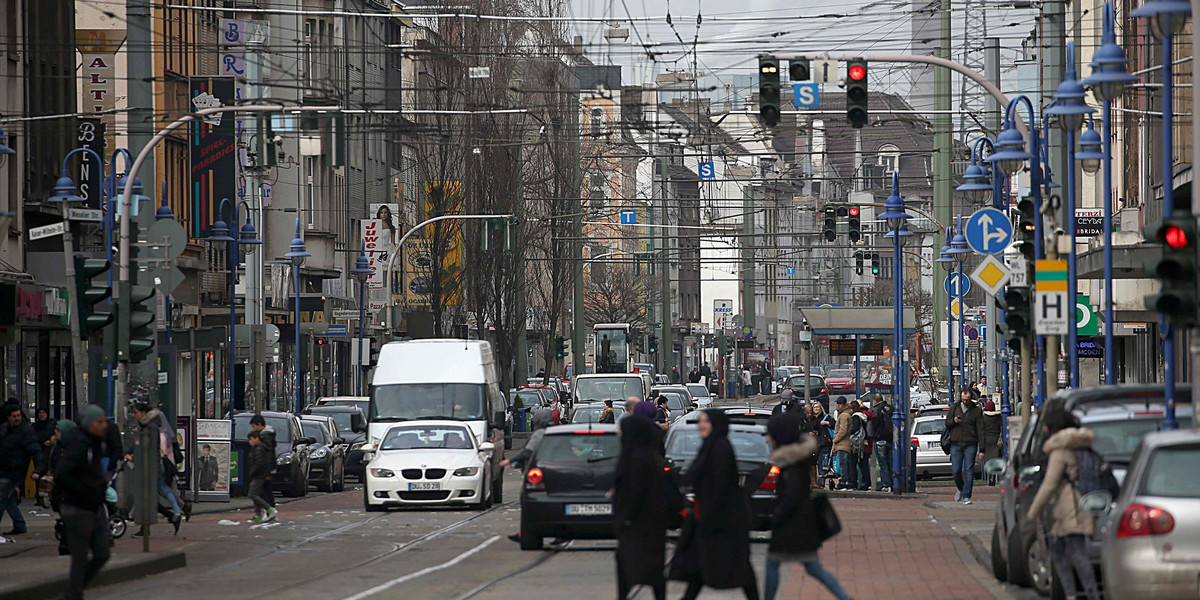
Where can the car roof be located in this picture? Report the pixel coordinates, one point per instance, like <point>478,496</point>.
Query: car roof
<point>317,418</point>
<point>1178,437</point>
<point>589,427</point>
<point>265,413</point>
<point>739,427</point>
<point>343,399</point>
<point>344,408</point>
<point>1120,394</point>
<point>929,418</point>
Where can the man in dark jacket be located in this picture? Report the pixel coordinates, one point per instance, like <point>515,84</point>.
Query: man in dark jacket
<point>258,466</point>
<point>82,481</point>
<point>966,425</point>
<point>267,436</point>
<point>18,445</point>
<point>882,442</point>
<point>706,373</point>
<point>787,403</point>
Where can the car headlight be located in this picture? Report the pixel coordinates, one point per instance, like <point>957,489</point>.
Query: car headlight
<point>321,453</point>
<point>285,459</point>
<point>382,473</point>
<point>466,472</point>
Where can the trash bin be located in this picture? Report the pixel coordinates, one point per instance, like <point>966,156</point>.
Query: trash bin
<point>520,419</point>
<point>731,389</point>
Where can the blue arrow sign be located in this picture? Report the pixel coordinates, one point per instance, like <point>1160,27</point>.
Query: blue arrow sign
<point>806,95</point>
<point>955,281</point>
<point>988,231</point>
<point>707,171</point>
<point>628,216</point>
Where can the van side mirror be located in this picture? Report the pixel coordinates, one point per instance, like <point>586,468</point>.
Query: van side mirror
<point>358,423</point>
<point>305,441</point>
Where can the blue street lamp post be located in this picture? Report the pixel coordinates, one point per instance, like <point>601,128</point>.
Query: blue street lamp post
<point>896,219</point>
<point>296,255</point>
<point>947,261</point>
<point>229,234</point>
<point>1166,18</point>
<point>958,250</point>
<point>362,271</point>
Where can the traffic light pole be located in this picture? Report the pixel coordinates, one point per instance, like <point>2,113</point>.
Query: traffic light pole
<point>74,314</point>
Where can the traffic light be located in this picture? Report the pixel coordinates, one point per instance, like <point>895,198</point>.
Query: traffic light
<point>1015,302</point>
<point>89,294</point>
<point>653,344</point>
<point>799,69</point>
<point>1026,233</point>
<point>858,263</point>
<point>855,225</point>
<point>768,89</point>
<point>136,329</point>
<point>830,230</point>
<point>874,263</point>
<point>560,347</point>
<point>856,92</point>
<point>1175,270</point>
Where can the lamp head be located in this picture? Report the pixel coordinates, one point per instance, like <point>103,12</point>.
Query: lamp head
<point>902,232</point>
<point>1166,17</point>
<point>362,268</point>
<point>976,183</point>
<point>248,236</point>
<point>298,253</point>
<point>1109,78</point>
<point>1069,105</point>
<point>219,232</point>
<point>64,191</point>
<point>1091,151</point>
<point>1010,154</point>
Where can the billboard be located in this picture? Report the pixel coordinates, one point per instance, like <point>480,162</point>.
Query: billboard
<point>213,153</point>
<point>445,198</point>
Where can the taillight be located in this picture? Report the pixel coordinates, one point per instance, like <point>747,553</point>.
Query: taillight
<point>1140,519</point>
<point>534,479</point>
<point>916,442</point>
<point>824,391</point>
<point>771,481</point>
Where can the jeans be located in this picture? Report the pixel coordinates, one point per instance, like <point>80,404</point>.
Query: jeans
<point>255,492</point>
<point>883,456</point>
<point>814,570</point>
<point>849,477</point>
<point>962,465</point>
<point>86,532</point>
<point>8,502</point>
<point>1070,552</point>
<point>165,491</point>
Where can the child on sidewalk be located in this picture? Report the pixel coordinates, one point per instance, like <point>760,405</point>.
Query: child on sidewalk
<point>258,466</point>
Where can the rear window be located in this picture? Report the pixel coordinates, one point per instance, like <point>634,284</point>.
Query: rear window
<point>1173,472</point>
<point>1117,440</point>
<point>591,414</point>
<point>747,445</point>
<point>608,388</point>
<point>697,390</point>
<point>930,427</point>
<point>813,381</point>
<point>579,449</point>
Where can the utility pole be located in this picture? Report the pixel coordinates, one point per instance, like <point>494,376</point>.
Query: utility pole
<point>667,329</point>
<point>943,182</point>
<point>254,260</point>
<point>991,58</point>
<point>522,349</point>
<point>1194,346</point>
<point>748,258</point>
<point>578,353</point>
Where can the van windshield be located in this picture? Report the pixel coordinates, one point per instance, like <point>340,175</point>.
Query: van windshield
<point>405,401</point>
<point>608,388</point>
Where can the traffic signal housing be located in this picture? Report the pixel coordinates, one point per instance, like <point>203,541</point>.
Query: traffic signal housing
<point>856,92</point>
<point>768,89</point>
<point>90,294</point>
<point>874,263</point>
<point>1175,270</point>
<point>830,230</point>
<point>855,224</point>
<point>1016,302</point>
<point>799,69</point>
<point>653,344</point>
<point>137,328</point>
<point>1026,230</point>
<point>560,347</point>
<point>858,263</point>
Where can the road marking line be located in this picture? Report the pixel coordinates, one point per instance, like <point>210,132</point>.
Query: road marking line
<point>423,572</point>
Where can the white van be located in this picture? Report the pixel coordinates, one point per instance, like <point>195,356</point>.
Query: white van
<point>443,379</point>
<point>587,389</point>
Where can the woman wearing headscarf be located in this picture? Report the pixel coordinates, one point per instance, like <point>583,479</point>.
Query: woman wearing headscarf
<point>717,553</point>
<point>640,510</point>
<point>793,532</point>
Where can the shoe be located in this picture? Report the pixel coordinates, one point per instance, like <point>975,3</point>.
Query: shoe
<point>957,496</point>
<point>886,490</point>
<point>140,533</point>
<point>966,501</point>
<point>176,521</point>
<point>516,537</point>
<point>187,511</point>
<point>272,514</point>
<point>256,519</point>
<point>15,531</point>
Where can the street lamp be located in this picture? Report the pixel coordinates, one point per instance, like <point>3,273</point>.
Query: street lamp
<point>362,271</point>
<point>1090,153</point>
<point>947,262</point>
<point>296,255</point>
<point>977,182</point>
<point>959,248</point>
<point>897,220</point>
<point>220,232</point>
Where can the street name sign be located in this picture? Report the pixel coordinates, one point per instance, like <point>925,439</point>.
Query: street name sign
<point>988,231</point>
<point>46,231</point>
<point>346,314</point>
<point>991,275</point>
<point>85,214</point>
<point>1051,307</point>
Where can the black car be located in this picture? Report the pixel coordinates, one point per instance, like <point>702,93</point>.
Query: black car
<point>1120,416</point>
<point>755,471</point>
<point>352,427</point>
<point>327,460</point>
<point>292,450</point>
<point>817,389</point>
<point>565,491</point>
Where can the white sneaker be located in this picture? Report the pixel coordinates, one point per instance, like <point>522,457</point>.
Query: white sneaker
<point>966,501</point>
<point>957,496</point>
<point>272,514</point>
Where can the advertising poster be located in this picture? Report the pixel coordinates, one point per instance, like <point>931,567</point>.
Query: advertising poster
<point>389,214</point>
<point>183,429</point>
<point>418,262</point>
<point>214,465</point>
<point>213,152</point>
<point>377,249</point>
<point>445,198</point>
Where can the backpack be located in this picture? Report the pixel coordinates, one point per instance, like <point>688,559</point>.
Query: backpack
<point>1094,473</point>
<point>858,435</point>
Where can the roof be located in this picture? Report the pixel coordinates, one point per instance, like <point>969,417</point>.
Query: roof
<point>316,410</point>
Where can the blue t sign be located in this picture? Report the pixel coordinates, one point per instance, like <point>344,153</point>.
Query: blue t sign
<point>628,216</point>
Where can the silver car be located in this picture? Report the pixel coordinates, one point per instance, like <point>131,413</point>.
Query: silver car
<point>927,435</point>
<point>1150,540</point>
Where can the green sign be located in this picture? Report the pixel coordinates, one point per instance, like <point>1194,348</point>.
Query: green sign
<point>1086,322</point>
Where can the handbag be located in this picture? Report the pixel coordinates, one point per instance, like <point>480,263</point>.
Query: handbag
<point>828,523</point>
<point>945,439</point>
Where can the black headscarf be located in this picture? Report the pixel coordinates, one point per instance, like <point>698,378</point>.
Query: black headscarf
<point>784,428</point>
<point>720,431</point>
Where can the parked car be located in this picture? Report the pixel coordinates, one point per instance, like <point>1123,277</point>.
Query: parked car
<point>352,427</point>
<point>1150,538</point>
<point>926,435</point>
<point>1121,416</point>
<point>327,459</point>
<point>662,380</point>
<point>839,381</point>
<point>678,404</point>
<point>530,398</point>
<point>553,382</point>
<point>590,413</point>
<point>677,388</point>
<point>292,450</point>
<point>755,472</point>
<point>550,398</point>
<point>362,402</point>
<point>700,396</point>
<point>816,388</point>
<point>429,462</point>
<point>565,492</point>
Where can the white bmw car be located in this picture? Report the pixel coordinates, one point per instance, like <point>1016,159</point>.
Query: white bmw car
<point>426,463</point>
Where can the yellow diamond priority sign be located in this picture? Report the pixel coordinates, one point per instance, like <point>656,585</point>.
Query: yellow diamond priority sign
<point>991,275</point>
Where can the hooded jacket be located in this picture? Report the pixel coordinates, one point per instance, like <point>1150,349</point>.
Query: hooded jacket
<point>1058,483</point>
<point>166,433</point>
<point>19,445</point>
<point>792,529</point>
<point>78,474</point>
<point>541,420</point>
<point>993,444</point>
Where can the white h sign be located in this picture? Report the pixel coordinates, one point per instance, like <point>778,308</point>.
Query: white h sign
<point>1050,313</point>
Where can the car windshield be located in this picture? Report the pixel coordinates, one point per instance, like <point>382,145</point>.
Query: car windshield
<point>608,388</point>
<point>674,401</point>
<point>697,390</point>
<point>798,381</point>
<point>1173,472</point>
<point>547,395</point>
<point>747,445</point>
<point>1117,440</point>
<point>315,430</point>
<point>581,449</point>
<point>529,398</point>
<point>399,402</point>
<point>427,437</point>
<point>281,425</point>
<point>839,373</point>
<point>929,427</point>
<point>591,414</point>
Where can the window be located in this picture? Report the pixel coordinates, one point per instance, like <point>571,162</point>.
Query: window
<point>1173,472</point>
<point>581,450</point>
<point>597,192</point>
<point>598,122</point>
<point>428,437</point>
<point>889,159</point>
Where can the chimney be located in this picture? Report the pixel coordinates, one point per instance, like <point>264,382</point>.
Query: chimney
<point>579,45</point>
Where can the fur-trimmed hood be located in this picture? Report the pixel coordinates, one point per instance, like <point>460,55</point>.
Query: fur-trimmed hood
<point>790,454</point>
<point>1071,437</point>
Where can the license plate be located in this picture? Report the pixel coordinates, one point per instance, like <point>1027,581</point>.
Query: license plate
<point>589,509</point>
<point>935,445</point>
<point>424,487</point>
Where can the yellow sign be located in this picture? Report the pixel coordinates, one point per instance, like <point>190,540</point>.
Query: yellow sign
<point>955,308</point>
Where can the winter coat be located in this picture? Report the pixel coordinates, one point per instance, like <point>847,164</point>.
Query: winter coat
<point>993,443</point>
<point>1058,483</point>
<point>259,462</point>
<point>607,416</point>
<point>970,431</point>
<point>78,474</point>
<point>883,422</point>
<point>816,425</point>
<point>793,523</point>
<point>640,511</point>
<point>862,419</point>
<point>841,431</point>
<point>716,549</point>
<point>17,447</point>
<point>787,406</point>
<point>166,433</point>
<point>541,420</point>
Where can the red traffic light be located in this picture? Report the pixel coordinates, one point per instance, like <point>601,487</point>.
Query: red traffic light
<point>1175,237</point>
<point>854,211</point>
<point>857,72</point>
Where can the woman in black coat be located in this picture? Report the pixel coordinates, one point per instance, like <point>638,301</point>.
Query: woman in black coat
<point>794,523</point>
<point>640,509</point>
<point>716,551</point>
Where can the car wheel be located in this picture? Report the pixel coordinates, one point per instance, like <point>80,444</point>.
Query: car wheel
<point>367,506</point>
<point>1018,565</point>
<point>530,541</point>
<point>1039,567</point>
<point>116,527</point>
<point>498,488</point>
<point>999,567</point>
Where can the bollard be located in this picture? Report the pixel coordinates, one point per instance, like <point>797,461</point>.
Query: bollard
<point>912,469</point>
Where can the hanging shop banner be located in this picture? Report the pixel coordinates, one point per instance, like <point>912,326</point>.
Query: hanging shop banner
<point>213,152</point>
<point>97,74</point>
<point>89,133</point>
<point>377,249</point>
<point>418,264</point>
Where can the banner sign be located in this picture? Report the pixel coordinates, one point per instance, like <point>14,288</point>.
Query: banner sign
<point>213,153</point>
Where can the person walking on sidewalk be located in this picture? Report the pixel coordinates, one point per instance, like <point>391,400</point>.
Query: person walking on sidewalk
<point>80,478</point>
<point>640,510</point>
<point>266,436</point>
<point>993,442</point>
<point>965,422</point>
<point>793,533</point>
<point>882,444</point>
<point>258,466</point>
<point>841,444</point>
<point>1068,535</point>
<point>714,551</point>
<point>18,445</point>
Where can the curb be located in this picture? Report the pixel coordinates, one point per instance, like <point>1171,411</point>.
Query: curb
<point>872,495</point>
<point>126,569</point>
